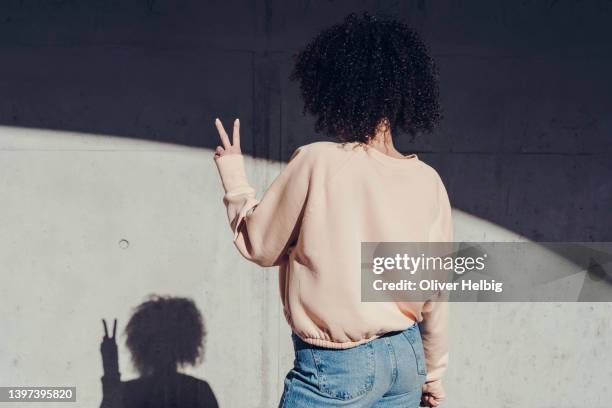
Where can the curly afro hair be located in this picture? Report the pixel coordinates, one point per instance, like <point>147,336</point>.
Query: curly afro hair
<point>163,333</point>
<point>367,72</point>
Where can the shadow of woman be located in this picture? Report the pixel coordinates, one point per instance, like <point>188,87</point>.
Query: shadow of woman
<point>163,334</point>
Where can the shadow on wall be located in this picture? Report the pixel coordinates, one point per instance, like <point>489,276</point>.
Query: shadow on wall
<point>163,334</point>
<point>525,141</point>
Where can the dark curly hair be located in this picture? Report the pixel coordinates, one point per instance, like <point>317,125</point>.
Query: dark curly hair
<point>165,332</point>
<point>366,72</point>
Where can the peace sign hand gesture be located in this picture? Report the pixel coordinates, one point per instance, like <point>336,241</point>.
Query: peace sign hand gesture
<point>228,147</point>
<point>108,349</point>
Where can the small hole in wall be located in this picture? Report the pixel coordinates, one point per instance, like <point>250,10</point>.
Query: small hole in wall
<point>124,244</point>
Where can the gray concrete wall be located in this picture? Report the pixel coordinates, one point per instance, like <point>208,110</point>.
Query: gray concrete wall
<point>130,91</point>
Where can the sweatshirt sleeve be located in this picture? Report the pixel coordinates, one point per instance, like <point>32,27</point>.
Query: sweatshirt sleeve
<point>434,326</point>
<point>263,229</point>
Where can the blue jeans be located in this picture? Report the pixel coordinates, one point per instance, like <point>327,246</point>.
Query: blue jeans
<point>386,372</point>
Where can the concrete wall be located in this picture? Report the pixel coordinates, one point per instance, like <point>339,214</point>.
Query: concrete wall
<point>130,92</point>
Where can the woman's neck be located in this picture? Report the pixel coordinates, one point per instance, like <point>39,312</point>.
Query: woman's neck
<point>383,142</point>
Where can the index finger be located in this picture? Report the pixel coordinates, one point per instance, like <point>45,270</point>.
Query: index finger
<point>114,328</point>
<point>222,134</point>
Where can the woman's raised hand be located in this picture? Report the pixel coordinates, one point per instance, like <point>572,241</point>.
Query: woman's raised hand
<point>229,147</point>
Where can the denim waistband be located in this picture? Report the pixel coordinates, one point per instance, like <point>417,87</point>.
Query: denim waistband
<point>300,344</point>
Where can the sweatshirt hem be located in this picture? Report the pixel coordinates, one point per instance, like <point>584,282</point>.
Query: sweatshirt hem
<point>337,345</point>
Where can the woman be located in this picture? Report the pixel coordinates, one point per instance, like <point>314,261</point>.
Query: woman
<point>363,80</point>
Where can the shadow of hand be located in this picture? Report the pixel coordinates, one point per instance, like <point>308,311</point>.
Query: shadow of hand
<point>108,349</point>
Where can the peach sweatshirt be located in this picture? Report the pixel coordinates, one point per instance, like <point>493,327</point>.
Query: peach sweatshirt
<point>310,223</point>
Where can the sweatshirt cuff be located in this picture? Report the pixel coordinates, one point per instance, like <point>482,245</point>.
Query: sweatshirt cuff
<point>435,374</point>
<point>232,171</point>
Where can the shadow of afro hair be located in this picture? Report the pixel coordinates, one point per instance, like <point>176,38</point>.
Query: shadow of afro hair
<point>165,332</point>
